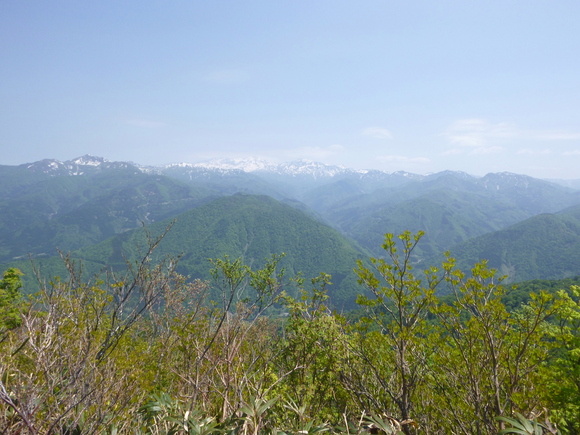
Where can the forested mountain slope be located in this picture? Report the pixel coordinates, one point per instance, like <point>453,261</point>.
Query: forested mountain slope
<point>546,246</point>
<point>70,205</point>
<point>451,207</point>
<point>40,212</point>
<point>246,226</point>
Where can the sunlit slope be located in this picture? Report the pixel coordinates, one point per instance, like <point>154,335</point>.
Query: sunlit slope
<point>246,226</point>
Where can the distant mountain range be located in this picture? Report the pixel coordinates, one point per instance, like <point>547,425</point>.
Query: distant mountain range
<point>521,224</point>
<point>309,170</point>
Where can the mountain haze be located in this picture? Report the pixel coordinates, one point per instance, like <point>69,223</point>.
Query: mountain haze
<point>253,208</point>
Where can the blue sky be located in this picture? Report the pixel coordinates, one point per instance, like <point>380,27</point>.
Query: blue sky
<point>421,86</point>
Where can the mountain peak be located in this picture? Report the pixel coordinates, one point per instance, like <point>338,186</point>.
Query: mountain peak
<point>226,164</point>
<point>88,160</point>
<point>46,165</point>
<point>78,166</point>
<point>296,168</point>
<point>311,168</point>
<point>450,173</point>
<point>505,179</point>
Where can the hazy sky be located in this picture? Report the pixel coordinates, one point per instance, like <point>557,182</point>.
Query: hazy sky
<point>421,86</point>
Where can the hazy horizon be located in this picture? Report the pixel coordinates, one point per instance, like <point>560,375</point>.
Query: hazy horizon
<point>242,163</point>
<point>417,86</point>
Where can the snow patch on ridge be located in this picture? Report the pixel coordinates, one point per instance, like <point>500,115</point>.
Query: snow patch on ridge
<point>88,160</point>
<point>295,168</point>
<point>78,166</point>
<point>245,165</point>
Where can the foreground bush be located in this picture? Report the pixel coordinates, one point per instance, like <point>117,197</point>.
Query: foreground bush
<point>147,352</point>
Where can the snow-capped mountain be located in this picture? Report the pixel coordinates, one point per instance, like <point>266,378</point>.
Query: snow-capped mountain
<point>299,170</point>
<point>314,169</point>
<point>224,165</point>
<point>295,169</point>
<point>87,160</point>
<point>78,166</point>
<point>253,165</point>
<point>507,180</point>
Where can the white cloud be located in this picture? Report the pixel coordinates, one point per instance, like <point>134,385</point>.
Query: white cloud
<point>377,133</point>
<point>476,132</point>
<point>572,153</point>
<point>554,135</point>
<point>532,152</point>
<point>453,152</point>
